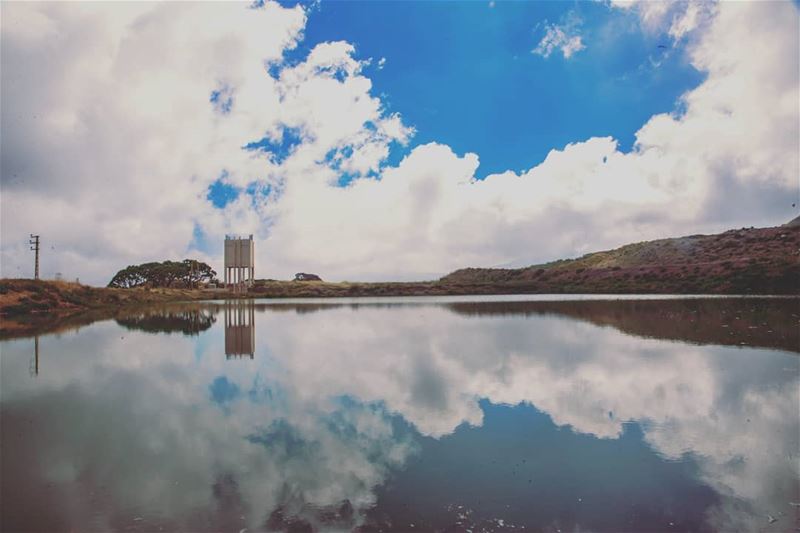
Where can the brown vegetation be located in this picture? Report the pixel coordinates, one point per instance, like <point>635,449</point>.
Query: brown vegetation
<point>746,261</point>
<point>26,303</point>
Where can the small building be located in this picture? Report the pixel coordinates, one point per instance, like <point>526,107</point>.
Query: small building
<point>302,276</point>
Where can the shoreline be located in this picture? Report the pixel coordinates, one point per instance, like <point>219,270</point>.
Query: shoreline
<point>766,321</point>
<point>20,297</point>
<point>28,305</point>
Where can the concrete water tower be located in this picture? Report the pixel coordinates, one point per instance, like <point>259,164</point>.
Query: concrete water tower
<point>240,264</point>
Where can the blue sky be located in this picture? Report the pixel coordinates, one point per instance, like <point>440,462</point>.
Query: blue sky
<point>463,73</point>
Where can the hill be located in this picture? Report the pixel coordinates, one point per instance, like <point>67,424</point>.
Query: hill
<point>744,261</point>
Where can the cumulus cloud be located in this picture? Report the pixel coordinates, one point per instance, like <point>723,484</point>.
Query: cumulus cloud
<point>117,119</point>
<point>109,136</point>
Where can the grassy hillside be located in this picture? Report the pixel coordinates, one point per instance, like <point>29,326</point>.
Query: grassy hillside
<point>745,261</point>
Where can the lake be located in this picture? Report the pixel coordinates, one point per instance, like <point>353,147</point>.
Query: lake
<point>408,414</point>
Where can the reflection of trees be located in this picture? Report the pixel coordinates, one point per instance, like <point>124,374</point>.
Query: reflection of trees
<point>764,322</point>
<point>187,321</point>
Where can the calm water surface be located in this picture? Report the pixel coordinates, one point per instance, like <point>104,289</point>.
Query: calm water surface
<point>451,414</point>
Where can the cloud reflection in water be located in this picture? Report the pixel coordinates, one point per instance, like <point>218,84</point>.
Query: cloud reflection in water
<point>339,401</point>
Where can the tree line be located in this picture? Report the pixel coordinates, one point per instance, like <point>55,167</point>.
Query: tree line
<point>186,273</point>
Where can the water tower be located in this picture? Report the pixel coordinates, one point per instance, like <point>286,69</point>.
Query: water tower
<point>240,264</point>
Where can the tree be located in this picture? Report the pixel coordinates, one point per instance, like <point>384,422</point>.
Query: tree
<point>131,276</point>
<point>186,273</point>
<point>198,272</point>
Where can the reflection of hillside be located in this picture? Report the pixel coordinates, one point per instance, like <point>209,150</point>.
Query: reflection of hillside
<point>762,322</point>
<point>37,324</point>
<point>186,321</point>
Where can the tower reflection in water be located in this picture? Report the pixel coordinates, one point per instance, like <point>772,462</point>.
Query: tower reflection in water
<point>240,331</point>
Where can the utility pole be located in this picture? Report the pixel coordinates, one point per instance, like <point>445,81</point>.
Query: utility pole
<point>34,242</point>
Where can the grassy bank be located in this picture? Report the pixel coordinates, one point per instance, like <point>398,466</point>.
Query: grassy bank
<point>26,296</point>
<point>25,304</point>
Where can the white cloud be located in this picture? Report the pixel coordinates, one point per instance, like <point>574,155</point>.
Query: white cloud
<point>724,160</point>
<point>110,143</point>
<point>562,37</point>
<point>685,22</point>
<point>109,136</point>
<point>677,18</point>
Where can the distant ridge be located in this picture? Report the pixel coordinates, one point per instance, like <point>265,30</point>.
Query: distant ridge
<point>756,260</point>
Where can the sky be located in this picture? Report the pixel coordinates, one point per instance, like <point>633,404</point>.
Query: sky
<point>388,140</point>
